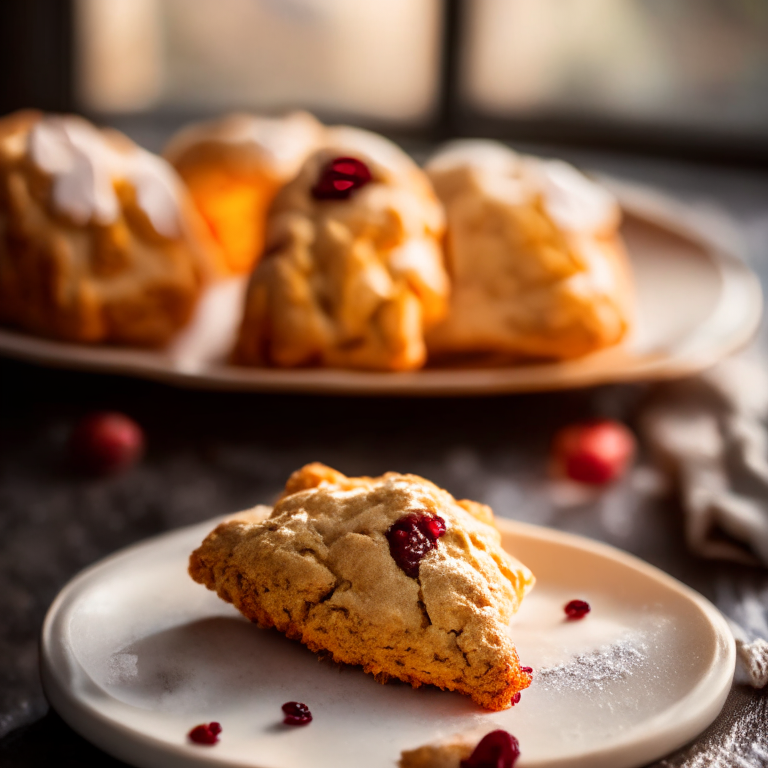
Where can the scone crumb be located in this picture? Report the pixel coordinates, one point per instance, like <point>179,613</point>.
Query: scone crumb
<point>447,753</point>
<point>497,749</point>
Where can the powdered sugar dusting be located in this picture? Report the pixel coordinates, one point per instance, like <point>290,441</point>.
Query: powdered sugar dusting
<point>122,667</point>
<point>85,164</point>
<point>588,672</point>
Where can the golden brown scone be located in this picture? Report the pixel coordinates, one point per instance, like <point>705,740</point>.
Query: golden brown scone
<point>353,282</point>
<point>321,570</point>
<point>98,240</point>
<point>233,167</point>
<point>538,268</point>
<point>317,475</point>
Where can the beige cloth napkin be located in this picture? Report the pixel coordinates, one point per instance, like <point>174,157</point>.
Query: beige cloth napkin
<point>751,658</point>
<point>711,432</point>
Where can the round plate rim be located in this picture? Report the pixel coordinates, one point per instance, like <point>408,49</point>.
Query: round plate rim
<point>124,743</point>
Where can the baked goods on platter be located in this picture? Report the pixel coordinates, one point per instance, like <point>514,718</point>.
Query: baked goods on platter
<point>98,240</point>
<point>390,573</point>
<point>537,266</point>
<point>364,266</point>
<point>234,166</point>
<point>352,275</point>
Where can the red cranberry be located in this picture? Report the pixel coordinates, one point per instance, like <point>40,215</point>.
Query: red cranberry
<point>577,609</point>
<point>527,670</point>
<point>340,178</point>
<point>411,537</point>
<point>205,733</point>
<point>498,749</point>
<point>516,698</point>
<point>296,713</point>
<point>595,452</point>
<point>103,443</point>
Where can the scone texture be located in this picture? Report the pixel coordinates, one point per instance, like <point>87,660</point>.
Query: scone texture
<point>537,265</point>
<point>319,569</point>
<point>98,240</point>
<point>448,754</point>
<point>233,167</point>
<point>351,283</point>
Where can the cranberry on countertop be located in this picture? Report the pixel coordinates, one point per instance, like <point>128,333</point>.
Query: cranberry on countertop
<point>207,733</point>
<point>411,537</point>
<point>106,442</point>
<point>340,178</point>
<point>296,713</point>
<point>593,452</point>
<point>497,749</point>
<point>577,609</point>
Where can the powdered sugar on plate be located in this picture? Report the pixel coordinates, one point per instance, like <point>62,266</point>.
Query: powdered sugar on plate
<point>589,672</point>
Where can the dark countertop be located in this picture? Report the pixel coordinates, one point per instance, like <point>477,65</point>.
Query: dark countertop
<point>212,453</point>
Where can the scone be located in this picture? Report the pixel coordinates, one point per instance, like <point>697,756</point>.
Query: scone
<point>352,275</point>
<point>538,268</point>
<point>98,239</point>
<point>390,573</point>
<point>233,167</point>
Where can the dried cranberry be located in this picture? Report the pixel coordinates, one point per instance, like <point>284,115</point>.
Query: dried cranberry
<point>596,452</point>
<point>296,713</point>
<point>527,670</point>
<point>516,698</point>
<point>577,609</point>
<point>498,749</point>
<point>340,178</point>
<point>102,443</point>
<point>411,537</point>
<point>205,733</point>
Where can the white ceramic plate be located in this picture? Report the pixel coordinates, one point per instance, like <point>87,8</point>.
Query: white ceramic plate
<point>134,654</point>
<point>695,305</point>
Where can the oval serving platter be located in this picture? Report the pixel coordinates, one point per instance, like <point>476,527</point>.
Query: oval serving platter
<point>695,304</point>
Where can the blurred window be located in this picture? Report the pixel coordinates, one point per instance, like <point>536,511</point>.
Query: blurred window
<point>700,64</point>
<point>612,71</point>
<point>366,59</point>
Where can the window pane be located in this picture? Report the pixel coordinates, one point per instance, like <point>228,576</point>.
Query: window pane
<point>689,63</point>
<point>373,59</point>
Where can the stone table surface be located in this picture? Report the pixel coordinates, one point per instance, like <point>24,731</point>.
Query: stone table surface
<point>212,453</point>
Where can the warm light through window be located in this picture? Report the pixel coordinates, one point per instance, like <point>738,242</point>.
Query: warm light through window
<point>700,63</point>
<point>375,59</point>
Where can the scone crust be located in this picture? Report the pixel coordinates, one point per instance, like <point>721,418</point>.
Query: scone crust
<point>234,166</point>
<point>117,280</point>
<point>533,276</point>
<point>349,283</point>
<point>319,570</point>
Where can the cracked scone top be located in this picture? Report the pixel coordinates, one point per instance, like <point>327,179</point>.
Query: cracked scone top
<point>353,279</point>
<point>537,266</point>
<point>320,569</point>
<point>98,240</point>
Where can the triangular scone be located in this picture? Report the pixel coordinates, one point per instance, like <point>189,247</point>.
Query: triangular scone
<point>320,569</point>
<point>537,266</point>
<point>351,277</point>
